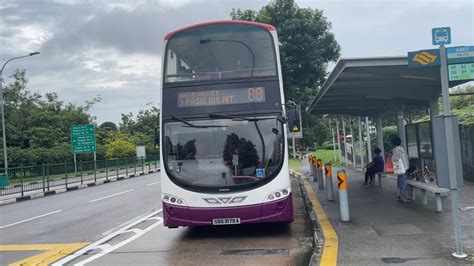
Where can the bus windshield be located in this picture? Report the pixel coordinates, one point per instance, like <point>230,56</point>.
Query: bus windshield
<point>223,152</point>
<point>220,51</point>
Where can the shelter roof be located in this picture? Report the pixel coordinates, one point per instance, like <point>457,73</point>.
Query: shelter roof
<point>371,86</point>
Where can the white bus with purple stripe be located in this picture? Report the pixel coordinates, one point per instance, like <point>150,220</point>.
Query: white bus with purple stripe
<point>223,126</point>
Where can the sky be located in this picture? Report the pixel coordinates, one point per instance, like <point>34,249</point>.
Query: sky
<point>112,49</point>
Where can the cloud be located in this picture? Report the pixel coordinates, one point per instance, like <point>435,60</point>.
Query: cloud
<point>113,49</point>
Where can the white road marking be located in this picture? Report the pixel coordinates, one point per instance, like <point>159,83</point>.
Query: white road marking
<point>36,217</point>
<point>154,183</point>
<point>113,195</point>
<point>99,244</point>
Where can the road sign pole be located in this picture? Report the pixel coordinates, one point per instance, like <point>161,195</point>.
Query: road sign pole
<point>95,167</point>
<point>451,163</point>
<point>75,165</point>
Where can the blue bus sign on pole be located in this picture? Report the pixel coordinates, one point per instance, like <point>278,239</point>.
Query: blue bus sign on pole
<point>441,36</point>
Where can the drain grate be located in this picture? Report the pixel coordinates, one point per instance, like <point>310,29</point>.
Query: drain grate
<point>397,260</point>
<point>255,252</point>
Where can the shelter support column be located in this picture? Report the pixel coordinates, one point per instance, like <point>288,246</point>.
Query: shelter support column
<point>354,164</point>
<point>345,140</point>
<point>401,127</point>
<point>434,108</point>
<point>369,146</point>
<point>361,143</point>
<point>338,141</point>
<point>380,135</point>
<point>333,140</point>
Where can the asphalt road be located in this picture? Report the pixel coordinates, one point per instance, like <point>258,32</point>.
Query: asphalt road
<point>84,215</point>
<point>120,223</point>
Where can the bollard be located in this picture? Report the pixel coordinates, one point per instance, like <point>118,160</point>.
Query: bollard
<point>319,173</point>
<point>343,199</point>
<point>315,172</point>
<point>311,166</point>
<point>329,188</point>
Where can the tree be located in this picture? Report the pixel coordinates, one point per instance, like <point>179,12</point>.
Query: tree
<point>306,45</point>
<point>37,124</point>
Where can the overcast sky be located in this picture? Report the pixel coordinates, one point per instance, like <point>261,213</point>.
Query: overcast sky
<point>113,48</point>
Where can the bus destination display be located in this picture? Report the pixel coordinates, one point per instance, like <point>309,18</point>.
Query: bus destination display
<point>221,97</point>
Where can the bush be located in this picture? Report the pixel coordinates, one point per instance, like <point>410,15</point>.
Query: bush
<point>119,148</point>
<point>327,146</point>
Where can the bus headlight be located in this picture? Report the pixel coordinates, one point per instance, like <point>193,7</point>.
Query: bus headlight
<point>173,200</point>
<point>277,194</point>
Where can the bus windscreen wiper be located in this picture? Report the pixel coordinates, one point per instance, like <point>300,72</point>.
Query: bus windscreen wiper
<point>234,117</point>
<point>190,124</point>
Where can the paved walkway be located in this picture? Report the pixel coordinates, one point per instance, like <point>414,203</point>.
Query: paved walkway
<point>383,230</point>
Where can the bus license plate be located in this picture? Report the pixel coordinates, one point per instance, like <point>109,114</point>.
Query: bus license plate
<point>224,221</point>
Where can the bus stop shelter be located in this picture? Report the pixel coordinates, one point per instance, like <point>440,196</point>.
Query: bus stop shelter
<point>375,86</point>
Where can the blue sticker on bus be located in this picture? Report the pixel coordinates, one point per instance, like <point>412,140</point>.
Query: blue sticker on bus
<point>260,172</point>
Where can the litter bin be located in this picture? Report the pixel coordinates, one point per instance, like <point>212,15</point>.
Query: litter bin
<point>3,180</point>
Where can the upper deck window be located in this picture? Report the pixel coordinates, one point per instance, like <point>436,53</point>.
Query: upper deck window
<point>220,51</point>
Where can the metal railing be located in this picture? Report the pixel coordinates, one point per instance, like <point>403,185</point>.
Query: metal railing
<point>68,175</point>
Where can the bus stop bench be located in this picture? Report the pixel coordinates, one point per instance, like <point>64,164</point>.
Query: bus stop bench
<point>425,187</point>
<point>379,176</point>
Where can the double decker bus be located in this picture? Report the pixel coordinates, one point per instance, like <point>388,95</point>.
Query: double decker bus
<point>223,126</point>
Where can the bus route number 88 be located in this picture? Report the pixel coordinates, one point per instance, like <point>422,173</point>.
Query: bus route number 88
<point>256,94</point>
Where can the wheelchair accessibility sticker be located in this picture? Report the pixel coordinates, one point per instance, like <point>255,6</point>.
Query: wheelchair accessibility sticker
<point>260,172</point>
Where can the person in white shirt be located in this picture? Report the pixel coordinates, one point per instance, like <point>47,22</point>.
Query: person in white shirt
<point>400,165</point>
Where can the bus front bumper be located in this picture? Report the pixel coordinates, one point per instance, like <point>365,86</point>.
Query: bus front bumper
<point>275,211</point>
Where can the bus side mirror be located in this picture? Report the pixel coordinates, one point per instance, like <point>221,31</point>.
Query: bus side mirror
<point>157,138</point>
<point>293,120</point>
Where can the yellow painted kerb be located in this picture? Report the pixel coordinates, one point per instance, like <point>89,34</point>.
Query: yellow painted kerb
<point>53,252</point>
<point>329,253</point>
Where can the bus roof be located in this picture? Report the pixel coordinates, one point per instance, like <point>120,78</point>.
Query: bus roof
<point>263,25</point>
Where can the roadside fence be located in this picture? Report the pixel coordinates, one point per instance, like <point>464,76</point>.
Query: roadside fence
<point>45,177</point>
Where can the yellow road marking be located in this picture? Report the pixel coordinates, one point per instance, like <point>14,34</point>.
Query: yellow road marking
<point>331,242</point>
<point>53,253</point>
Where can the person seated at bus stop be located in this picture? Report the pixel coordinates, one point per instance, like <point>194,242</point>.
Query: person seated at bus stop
<point>375,166</point>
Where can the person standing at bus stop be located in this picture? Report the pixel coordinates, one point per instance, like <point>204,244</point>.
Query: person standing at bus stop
<point>400,166</point>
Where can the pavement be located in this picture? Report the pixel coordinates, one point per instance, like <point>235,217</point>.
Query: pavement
<point>385,231</point>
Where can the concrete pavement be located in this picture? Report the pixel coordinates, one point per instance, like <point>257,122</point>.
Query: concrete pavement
<point>384,231</point>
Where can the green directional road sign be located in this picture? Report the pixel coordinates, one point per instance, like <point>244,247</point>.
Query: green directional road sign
<point>83,138</point>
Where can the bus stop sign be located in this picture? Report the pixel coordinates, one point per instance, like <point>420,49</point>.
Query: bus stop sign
<point>441,36</point>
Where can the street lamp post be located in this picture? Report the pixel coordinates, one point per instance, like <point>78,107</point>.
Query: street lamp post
<point>2,106</point>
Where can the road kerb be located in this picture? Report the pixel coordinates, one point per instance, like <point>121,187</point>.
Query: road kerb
<point>330,247</point>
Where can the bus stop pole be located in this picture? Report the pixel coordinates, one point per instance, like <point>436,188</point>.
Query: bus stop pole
<point>369,147</point>
<point>361,141</point>
<point>450,152</point>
